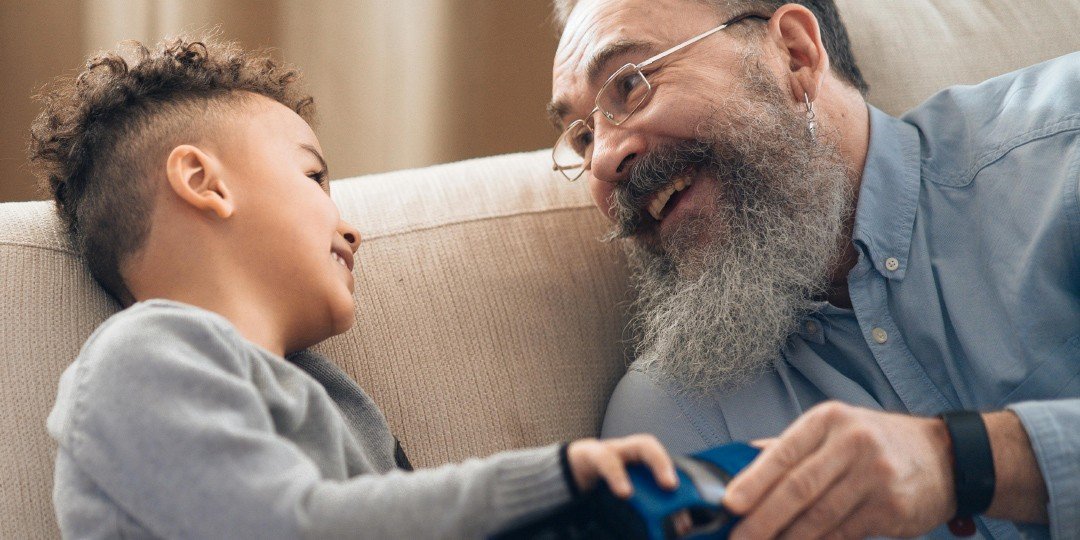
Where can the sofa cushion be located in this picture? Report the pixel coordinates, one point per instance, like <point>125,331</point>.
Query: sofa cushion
<point>487,307</point>
<point>48,306</point>
<point>909,49</point>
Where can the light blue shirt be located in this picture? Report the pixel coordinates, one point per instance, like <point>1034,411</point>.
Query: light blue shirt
<point>966,293</point>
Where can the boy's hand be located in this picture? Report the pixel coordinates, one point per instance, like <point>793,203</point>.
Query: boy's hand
<point>592,459</point>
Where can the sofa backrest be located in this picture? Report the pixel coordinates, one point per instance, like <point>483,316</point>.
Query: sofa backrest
<point>489,314</point>
<point>487,306</point>
<point>909,49</point>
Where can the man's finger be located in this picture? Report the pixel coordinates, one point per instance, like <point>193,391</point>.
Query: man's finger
<point>762,444</point>
<point>863,522</point>
<point>832,510</point>
<point>803,437</point>
<point>797,491</point>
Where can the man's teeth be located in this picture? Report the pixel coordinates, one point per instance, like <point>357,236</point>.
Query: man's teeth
<point>656,207</point>
<point>340,260</point>
<point>658,202</point>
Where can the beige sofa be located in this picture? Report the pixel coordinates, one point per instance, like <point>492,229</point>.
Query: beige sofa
<point>489,315</point>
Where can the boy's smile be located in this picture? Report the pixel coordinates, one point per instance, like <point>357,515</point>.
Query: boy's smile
<point>343,257</point>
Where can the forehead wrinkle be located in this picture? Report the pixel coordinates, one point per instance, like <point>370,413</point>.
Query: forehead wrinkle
<point>596,68</point>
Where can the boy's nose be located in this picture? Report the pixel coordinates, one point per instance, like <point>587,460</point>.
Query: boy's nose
<point>350,234</point>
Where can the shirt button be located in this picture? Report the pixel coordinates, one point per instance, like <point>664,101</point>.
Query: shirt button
<point>880,335</point>
<point>891,264</point>
<point>811,327</point>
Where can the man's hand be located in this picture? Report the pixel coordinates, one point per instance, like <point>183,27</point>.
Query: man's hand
<point>842,471</point>
<point>591,460</point>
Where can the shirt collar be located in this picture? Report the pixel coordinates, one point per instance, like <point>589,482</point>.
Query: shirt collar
<point>889,193</point>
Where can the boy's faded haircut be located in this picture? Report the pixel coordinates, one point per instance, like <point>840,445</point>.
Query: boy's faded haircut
<point>102,140</point>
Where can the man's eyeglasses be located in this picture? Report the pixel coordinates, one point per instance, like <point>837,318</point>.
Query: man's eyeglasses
<point>619,98</point>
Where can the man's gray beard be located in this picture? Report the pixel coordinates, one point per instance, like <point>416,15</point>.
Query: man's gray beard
<point>718,298</point>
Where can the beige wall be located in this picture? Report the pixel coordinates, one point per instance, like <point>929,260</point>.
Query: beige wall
<point>398,84</point>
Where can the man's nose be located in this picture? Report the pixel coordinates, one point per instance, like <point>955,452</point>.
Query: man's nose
<point>615,150</point>
<point>350,234</point>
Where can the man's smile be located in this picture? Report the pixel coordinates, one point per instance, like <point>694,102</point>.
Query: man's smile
<point>663,201</point>
<point>646,210</point>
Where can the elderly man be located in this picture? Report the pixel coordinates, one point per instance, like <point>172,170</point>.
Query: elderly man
<point>847,286</point>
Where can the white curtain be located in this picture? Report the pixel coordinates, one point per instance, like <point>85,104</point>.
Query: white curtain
<point>398,83</point>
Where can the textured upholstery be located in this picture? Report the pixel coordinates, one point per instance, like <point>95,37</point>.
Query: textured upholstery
<point>909,49</point>
<point>489,315</point>
<point>487,306</point>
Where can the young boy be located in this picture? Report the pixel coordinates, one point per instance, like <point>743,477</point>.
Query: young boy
<point>193,186</point>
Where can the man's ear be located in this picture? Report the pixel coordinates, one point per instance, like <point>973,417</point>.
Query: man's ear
<point>196,178</point>
<point>797,35</point>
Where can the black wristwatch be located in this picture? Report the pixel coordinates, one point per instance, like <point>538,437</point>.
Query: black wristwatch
<point>973,462</point>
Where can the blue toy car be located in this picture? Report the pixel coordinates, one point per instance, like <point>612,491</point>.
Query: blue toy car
<point>649,512</point>
<point>703,478</point>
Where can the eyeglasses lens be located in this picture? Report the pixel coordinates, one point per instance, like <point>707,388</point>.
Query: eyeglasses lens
<point>572,149</point>
<point>623,94</point>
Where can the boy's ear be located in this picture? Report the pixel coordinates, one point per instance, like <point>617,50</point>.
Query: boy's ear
<point>196,178</point>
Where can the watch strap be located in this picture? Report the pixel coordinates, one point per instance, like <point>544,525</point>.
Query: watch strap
<point>973,462</point>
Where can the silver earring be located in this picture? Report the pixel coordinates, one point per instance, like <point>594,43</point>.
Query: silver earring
<point>811,117</point>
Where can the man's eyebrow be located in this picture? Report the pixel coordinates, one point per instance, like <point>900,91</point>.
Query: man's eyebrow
<point>556,110</point>
<point>596,67</point>
<point>318,156</point>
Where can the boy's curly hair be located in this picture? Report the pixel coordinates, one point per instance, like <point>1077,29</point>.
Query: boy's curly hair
<point>103,138</point>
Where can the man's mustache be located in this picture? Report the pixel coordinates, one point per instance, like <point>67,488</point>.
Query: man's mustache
<point>651,173</point>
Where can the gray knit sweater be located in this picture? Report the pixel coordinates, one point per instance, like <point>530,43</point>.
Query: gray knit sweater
<point>171,424</point>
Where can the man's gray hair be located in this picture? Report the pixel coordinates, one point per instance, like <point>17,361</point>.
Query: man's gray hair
<point>833,33</point>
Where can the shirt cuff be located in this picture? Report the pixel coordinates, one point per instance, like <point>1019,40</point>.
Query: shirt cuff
<point>1054,430</point>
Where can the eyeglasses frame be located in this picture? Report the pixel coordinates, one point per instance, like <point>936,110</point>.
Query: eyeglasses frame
<point>648,93</point>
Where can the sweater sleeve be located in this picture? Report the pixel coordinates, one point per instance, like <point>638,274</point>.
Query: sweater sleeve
<point>163,419</point>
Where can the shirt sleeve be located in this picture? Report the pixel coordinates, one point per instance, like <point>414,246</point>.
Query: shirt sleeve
<point>1054,430</point>
<point>166,423</point>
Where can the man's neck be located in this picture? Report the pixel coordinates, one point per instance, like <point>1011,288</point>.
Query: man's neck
<point>838,294</point>
<point>850,119</point>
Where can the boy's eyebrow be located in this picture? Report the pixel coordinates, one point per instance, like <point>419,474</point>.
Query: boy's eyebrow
<point>318,156</point>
